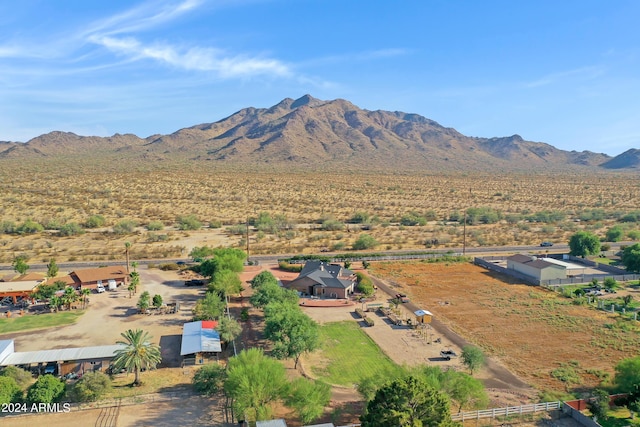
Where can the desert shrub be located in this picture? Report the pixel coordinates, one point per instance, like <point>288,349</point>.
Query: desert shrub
<point>95,221</point>
<point>365,241</point>
<point>172,266</point>
<point>412,218</point>
<point>188,222</point>
<point>209,379</point>
<point>155,226</point>
<point>8,227</point>
<point>215,224</point>
<point>71,229</point>
<point>359,218</point>
<point>29,227</point>
<point>155,237</point>
<point>634,234</point>
<point>614,234</point>
<point>332,225</point>
<point>483,215</point>
<point>91,387</point>
<point>124,227</point>
<point>239,229</point>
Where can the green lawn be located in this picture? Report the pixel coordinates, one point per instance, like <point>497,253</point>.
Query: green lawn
<point>41,321</point>
<point>350,354</point>
<point>619,417</point>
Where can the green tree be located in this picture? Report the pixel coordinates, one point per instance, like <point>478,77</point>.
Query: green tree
<point>229,329</point>
<point>144,301</point>
<point>472,358</point>
<point>291,331</point>
<point>626,300</point>
<point>91,387</point>
<point>55,302</point>
<point>85,297</point>
<point>22,378</point>
<point>308,398</point>
<point>210,307</point>
<point>127,249</point>
<point>209,379</point>
<point>46,389</point>
<point>10,392</point>
<point>269,293</point>
<point>199,254</point>
<point>137,353</point>
<point>254,382</point>
<point>614,234</point>
<point>135,281</point>
<point>631,258</point>
<point>69,297</point>
<point>627,374</point>
<point>408,402</point>
<point>20,265</point>
<point>365,264</point>
<point>365,285</point>
<point>52,268</point>
<point>364,241</point>
<point>262,278</point>
<point>584,243</point>
<point>157,301</point>
<point>609,283</point>
<point>230,259</point>
<point>599,404</point>
<point>467,392</point>
<point>225,283</point>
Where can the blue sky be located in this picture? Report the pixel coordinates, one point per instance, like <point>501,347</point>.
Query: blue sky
<point>562,72</point>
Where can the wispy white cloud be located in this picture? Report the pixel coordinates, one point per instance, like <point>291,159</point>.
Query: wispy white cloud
<point>114,34</point>
<point>584,73</point>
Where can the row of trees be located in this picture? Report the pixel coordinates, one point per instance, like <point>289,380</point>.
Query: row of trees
<point>291,332</point>
<point>221,266</point>
<point>584,243</point>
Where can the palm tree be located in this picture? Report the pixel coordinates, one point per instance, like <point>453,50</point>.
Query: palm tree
<point>55,302</point>
<point>127,246</point>
<point>135,280</point>
<point>85,293</point>
<point>134,265</point>
<point>137,353</point>
<point>69,297</point>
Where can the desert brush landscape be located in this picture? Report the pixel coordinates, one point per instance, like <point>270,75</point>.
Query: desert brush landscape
<point>306,211</point>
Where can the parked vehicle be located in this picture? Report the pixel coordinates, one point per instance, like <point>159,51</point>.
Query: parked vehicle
<point>448,354</point>
<point>546,244</point>
<point>100,288</point>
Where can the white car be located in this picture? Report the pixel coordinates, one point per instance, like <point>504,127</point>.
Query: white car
<point>100,289</point>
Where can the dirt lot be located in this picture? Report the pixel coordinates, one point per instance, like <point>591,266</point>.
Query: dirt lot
<point>528,329</point>
<point>113,312</point>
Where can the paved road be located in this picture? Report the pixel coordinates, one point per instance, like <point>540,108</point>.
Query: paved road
<point>499,376</point>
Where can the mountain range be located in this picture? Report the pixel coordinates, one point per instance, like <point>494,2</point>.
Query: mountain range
<point>311,133</point>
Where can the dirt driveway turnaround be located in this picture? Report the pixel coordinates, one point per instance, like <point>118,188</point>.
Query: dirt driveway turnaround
<point>113,312</point>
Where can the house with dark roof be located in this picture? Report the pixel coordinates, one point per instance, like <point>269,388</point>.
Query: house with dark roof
<point>535,267</point>
<point>321,279</point>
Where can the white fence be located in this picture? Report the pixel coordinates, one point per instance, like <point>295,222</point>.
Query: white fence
<point>507,411</point>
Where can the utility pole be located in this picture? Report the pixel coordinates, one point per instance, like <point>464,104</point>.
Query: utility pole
<point>247,239</point>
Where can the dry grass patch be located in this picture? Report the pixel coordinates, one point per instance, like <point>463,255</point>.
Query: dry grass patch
<point>531,330</point>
